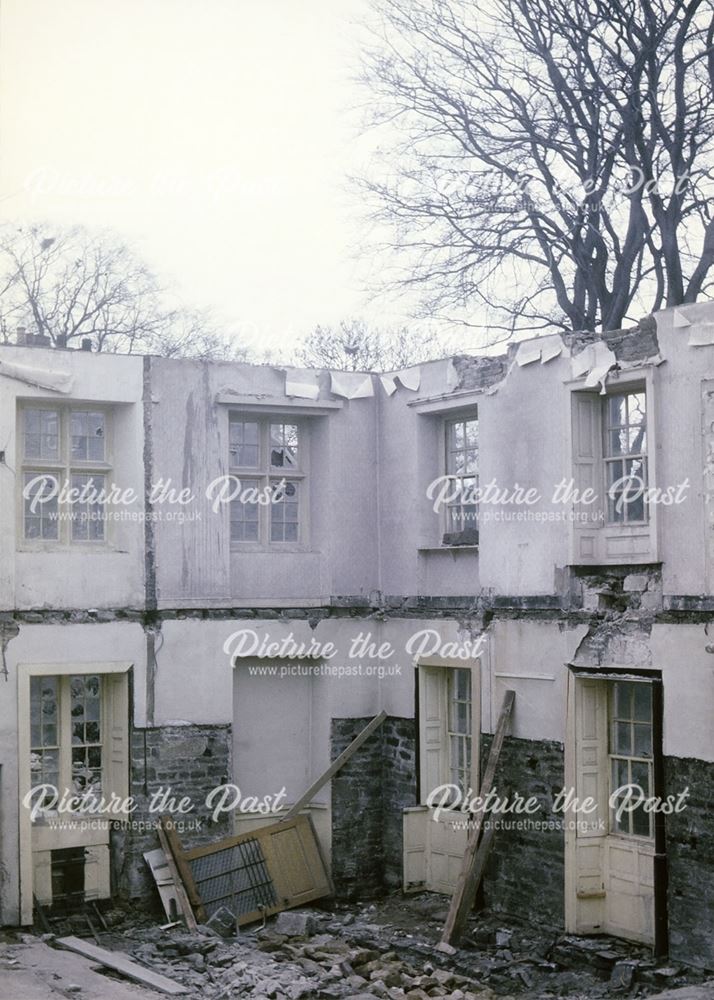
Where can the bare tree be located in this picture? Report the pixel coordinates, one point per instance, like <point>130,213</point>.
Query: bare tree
<point>550,160</point>
<point>355,346</point>
<point>70,284</point>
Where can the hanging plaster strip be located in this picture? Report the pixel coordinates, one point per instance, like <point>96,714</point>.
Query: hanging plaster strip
<point>583,362</point>
<point>38,377</point>
<point>701,336</point>
<point>388,384</point>
<point>528,352</point>
<point>551,347</point>
<point>302,384</point>
<point>410,378</point>
<point>680,320</point>
<point>544,349</point>
<point>351,385</point>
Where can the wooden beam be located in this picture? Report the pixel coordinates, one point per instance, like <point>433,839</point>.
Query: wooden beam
<point>184,871</point>
<point>473,865</point>
<point>118,961</point>
<point>335,766</point>
<point>179,888</point>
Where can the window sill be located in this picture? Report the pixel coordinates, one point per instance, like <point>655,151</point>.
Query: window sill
<point>448,548</point>
<point>54,548</point>
<point>276,549</point>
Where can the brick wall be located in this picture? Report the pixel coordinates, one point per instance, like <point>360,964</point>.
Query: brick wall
<point>526,869</point>
<point>190,760</point>
<point>690,859</point>
<point>368,796</point>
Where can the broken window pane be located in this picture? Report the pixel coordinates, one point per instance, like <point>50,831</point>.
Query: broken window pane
<point>284,446</point>
<point>87,435</point>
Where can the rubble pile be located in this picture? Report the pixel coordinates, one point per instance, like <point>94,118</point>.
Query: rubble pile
<point>389,951</point>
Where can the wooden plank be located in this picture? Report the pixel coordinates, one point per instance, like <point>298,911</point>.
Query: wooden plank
<point>465,893</point>
<point>120,963</point>
<point>185,875</point>
<point>182,899</point>
<point>484,849</point>
<point>156,860</point>
<point>335,766</point>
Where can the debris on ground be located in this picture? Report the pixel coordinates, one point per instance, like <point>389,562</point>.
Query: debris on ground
<point>388,950</point>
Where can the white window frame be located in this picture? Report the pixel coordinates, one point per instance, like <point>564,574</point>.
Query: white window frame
<point>593,539</point>
<point>64,468</point>
<point>629,760</point>
<point>263,476</point>
<point>621,460</point>
<point>435,679</point>
<point>448,420</point>
<point>115,762</point>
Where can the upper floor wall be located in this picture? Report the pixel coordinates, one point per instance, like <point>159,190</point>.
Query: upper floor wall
<point>254,485</point>
<point>71,426</point>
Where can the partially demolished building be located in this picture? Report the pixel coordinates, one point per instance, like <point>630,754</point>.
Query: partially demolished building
<point>212,575</point>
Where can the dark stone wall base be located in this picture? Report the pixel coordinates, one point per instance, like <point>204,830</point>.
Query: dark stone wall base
<point>690,863</point>
<point>188,761</point>
<point>368,797</point>
<point>525,875</point>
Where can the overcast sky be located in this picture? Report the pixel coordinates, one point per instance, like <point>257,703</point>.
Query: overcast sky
<point>212,134</point>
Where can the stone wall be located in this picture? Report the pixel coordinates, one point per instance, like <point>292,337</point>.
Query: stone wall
<point>525,875</point>
<point>368,796</point>
<point>190,760</point>
<point>690,861</point>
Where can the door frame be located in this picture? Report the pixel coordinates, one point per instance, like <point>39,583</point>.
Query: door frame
<point>25,671</point>
<point>605,674</point>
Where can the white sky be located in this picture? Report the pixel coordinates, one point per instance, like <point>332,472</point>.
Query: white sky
<point>211,134</point>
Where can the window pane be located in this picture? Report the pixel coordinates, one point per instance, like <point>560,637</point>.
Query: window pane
<point>623,699</point>
<point>617,442</point>
<point>244,443</point>
<point>88,510</point>
<point>471,433</point>
<point>244,512</point>
<point>471,462</point>
<point>641,823</point>
<point>637,440</point>
<point>617,411</point>
<point>641,777</point>
<point>622,738</point>
<point>40,505</point>
<point>41,434</point>
<point>636,408</point>
<point>283,446</point>
<point>643,740</point>
<point>643,702</point>
<point>284,512</point>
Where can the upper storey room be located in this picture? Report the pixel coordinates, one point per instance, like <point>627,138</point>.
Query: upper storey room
<point>180,483</point>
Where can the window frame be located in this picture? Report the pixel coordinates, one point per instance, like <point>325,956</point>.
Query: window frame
<point>117,733</point>
<point>468,535</point>
<point>594,540</point>
<point>614,756</point>
<point>608,460</point>
<point>65,744</point>
<point>64,468</point>
<point>436,672</point>
<point>263,475</point>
